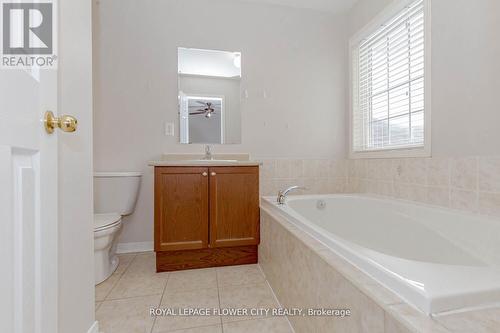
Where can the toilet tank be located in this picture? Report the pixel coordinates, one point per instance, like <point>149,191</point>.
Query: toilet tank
<point>116,192</point>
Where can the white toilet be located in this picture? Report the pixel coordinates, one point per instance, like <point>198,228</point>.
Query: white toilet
<point>115,195</point>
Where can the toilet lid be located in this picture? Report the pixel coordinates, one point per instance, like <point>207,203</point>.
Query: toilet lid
<point>103,221</point>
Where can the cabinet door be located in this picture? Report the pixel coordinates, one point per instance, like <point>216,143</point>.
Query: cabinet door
<point>234,206</point>
<point>181,208</point>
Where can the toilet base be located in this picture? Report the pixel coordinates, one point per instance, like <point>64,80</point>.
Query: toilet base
<point>104,267</point>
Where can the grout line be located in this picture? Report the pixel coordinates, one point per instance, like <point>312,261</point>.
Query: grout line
<point>159,304</point>
<point>114,285</point>
<point>276,298</point>
<point>130,297</point>
<point>97,306</point>
<point>105,298</point>
<point>218,297</point>
<point>240,319</point>
<point>119,278</point>
<point>128,265</point>
<point>241,284</point>
<point>190,328</point>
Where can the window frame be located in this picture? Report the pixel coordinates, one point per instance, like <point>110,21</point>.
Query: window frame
<point>382,18</point>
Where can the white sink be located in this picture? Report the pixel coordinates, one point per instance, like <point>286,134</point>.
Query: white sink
<point>211,161</point>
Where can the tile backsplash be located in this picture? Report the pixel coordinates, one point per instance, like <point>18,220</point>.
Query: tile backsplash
<point>467,183</point>
<point>319,176</point>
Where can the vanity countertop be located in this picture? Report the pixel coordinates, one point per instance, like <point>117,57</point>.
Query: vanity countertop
<point>197,160</point>
<point>214,162</point>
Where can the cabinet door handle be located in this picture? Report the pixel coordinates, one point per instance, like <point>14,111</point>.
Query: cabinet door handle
<point>213,174</point>
<point>204,174</point>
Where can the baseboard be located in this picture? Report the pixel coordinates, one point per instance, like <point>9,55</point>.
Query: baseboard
<point>134,247</point>
<point>94,328</point>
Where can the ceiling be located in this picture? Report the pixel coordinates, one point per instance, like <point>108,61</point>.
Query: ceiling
<point>332,6</point>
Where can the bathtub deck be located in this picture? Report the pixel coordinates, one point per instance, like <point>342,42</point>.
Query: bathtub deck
<point>383,311</point>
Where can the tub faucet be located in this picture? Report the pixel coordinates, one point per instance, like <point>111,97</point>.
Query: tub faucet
<point>282,194</point>
<point>208,153</point>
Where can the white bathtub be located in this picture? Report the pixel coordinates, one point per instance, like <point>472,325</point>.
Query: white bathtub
<point>438,260</point>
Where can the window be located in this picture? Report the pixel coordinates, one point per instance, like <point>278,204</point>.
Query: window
<point>389,109</point>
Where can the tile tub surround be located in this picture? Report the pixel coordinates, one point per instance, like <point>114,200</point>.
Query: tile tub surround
<point>318,175</point>
<point>470,184</point>
<point>325,279</point>
<point>123,301</point>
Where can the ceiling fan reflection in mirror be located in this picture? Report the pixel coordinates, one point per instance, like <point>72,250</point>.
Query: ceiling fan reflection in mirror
<point>206,108</point>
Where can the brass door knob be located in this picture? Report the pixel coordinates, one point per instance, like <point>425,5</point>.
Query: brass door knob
<point>65,123</point>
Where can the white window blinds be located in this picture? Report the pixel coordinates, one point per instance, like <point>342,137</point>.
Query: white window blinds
<point>388,84</point>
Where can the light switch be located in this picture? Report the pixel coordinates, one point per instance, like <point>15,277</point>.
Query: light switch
<point>169,129</point>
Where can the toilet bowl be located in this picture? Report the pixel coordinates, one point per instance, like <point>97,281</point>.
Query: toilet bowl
<point>115,196</point>
<point>106,227</point>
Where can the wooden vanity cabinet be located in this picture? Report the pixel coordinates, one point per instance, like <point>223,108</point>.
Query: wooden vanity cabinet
<point>234,206</point>
<point>206,216</point>
<point>181,208</point>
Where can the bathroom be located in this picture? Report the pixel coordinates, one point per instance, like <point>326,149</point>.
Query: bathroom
<point>351,184</point>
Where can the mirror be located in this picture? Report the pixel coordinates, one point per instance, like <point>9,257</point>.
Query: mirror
<point>209,96</point>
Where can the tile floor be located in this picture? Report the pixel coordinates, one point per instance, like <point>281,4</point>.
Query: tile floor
<point>123,301</point>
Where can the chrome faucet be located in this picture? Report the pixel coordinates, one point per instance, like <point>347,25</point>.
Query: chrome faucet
<point>208,153</point>
<point>282,194</point>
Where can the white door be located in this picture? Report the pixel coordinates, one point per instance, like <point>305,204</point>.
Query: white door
<point>28,202</point>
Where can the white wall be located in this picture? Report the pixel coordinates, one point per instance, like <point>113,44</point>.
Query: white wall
<point>466,77</point>
<point>207,62</point>
<point>465,73</point>
<point>296,56</point>
<point>76,236</point>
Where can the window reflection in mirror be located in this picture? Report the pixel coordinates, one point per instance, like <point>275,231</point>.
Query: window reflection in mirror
<point>209,96</point>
